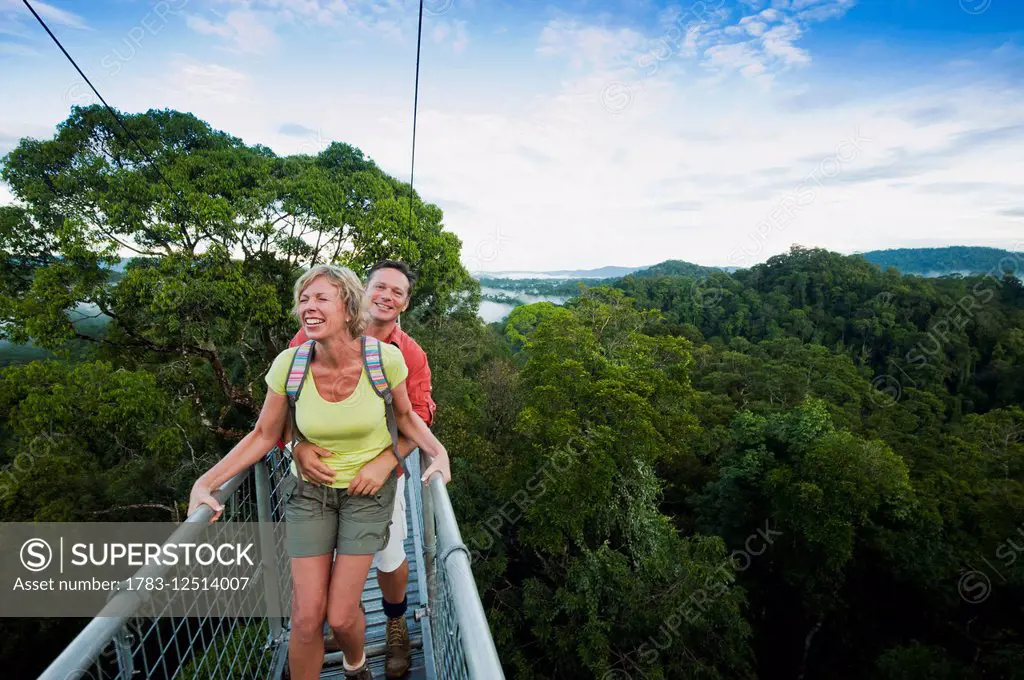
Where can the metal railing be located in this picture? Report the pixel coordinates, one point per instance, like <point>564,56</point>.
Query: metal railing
<point>147,642</point>
<point>462,646</point>
<point>150,643</point>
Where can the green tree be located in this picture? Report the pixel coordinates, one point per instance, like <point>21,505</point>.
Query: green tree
<point>594,568</point>
<point>219,231</point>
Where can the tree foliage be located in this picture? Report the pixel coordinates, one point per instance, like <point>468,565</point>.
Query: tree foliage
<point>808,469</point>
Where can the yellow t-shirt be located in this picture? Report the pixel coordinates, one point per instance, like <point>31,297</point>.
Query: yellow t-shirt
<point>354,430</point>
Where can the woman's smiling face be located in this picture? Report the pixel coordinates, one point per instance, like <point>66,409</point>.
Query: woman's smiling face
<point>321,309</point>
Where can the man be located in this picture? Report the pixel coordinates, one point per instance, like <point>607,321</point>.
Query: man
<point>389,288</point>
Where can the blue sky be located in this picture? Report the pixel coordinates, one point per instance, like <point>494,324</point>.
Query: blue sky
<point>581,134</point>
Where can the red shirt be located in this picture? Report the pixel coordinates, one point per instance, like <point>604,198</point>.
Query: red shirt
<point>418,381</point>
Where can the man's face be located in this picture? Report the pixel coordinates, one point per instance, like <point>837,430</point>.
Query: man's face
<point>389,294</point>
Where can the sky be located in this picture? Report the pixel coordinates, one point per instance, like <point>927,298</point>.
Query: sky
<point>580,134</point>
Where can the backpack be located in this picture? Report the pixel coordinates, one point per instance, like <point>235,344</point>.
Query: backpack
<point>378,379</point>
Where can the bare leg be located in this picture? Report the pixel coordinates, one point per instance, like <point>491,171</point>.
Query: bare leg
<point>344,616</point>
<point>310,581</point>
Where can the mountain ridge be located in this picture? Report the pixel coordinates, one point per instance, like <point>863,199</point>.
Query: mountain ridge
<point>928,262</point>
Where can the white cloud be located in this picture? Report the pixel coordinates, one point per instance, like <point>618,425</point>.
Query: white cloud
<point>735,56</point>
<point>758,45</point>
<point>253,24</point>
<point>823,10</point>
<point>209,81</point>
<point>17,50</point>
<point>774,33</point>
<point>453,31</point>
<point>752,26</point>
<point>202,25</point>
<point>249,32</point>
<point>732,161</point>
<point>461,36</point>
<point>543,177</point>
<point>441,31</point>
<point>16,21</point>
<point>590,45</point>
<point>13,29</point>
<point>778,42</point>
<point>753,70</point>
<point>14,10</point>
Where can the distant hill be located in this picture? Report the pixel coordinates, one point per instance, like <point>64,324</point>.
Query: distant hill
<point>21,354</point>
<point>943,261</point>
<point>87,321</point>
<point>677,268</point>
<point>566,282</point>
<point>920,261</point>
<point>599,273</point>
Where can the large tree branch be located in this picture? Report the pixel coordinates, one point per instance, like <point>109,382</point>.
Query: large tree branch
<point>807,648</point>
<point>243,243</point>
<point>316,249</point>
<point>342,240</point>
<point>233,394</point>
<point>236,396</point>
<point>98,223</point>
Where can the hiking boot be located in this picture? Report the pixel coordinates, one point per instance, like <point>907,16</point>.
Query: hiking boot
<point>396,663</point>
<point>364,672</point>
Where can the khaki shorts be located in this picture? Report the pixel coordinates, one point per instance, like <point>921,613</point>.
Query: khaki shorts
<point>322,519</point>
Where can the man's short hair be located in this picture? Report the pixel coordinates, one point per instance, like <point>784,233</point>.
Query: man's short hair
<point>394,264</point>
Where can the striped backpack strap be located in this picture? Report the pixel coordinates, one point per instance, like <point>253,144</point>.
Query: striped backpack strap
<point>299,369</point>
<point>374,365</point>
<point>296,379</point>
<point>375,368</point>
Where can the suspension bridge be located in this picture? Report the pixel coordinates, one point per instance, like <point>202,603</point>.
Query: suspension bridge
<point>447,624</point>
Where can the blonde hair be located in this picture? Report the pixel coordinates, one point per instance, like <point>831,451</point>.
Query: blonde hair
<point>353,296</point>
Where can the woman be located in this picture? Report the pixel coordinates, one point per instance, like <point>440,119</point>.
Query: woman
<point>337,410</point>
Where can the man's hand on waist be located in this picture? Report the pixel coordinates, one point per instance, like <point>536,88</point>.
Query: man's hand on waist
<point>308,459</point>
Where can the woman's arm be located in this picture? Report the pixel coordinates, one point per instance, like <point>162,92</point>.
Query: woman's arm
<point>413,427</point>
<point>253,446</point>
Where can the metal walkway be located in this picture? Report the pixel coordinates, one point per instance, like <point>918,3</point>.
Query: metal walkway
<point>447,624</point>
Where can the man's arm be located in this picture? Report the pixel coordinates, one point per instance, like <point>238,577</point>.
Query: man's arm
<point>413,426</point>
<point>418,384</point>
<point>419,388</point>
<point>405,447</point>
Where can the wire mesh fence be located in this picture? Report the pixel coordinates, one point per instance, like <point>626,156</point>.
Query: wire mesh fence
<point>447,635</point>
<point>462,646</point>
<point>155,645</point>
<point>151,643</point>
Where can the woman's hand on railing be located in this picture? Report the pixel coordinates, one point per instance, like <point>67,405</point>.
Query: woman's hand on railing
<point>200,495</point>
<point>439,463</point>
